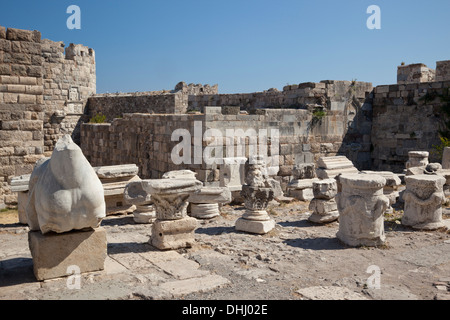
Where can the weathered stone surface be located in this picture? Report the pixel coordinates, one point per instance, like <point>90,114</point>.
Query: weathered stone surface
<point>144,214</point>
<point>22,201</point>
<point>304,171</point>
<point>232,173</point>
<point>118,171</point>
<point>324,189</point>
<point>204,210</point>
<point>321,206</point>
<point>180,174</point>
<point>417,159</point>
<point>361,206</point>
<point>54,253</point>
<point>173,234</point>
<point>65,193</point>
<point>186,286</point>
<point>211,195</point>
<point>254,226</point>
<point>423,198</point>
<point>20,183</point>
<point>134,193</point>
<point>329,293</point>
<point>331,167</point>
<point>446,158</point>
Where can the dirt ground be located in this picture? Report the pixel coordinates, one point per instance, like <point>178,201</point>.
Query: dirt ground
<point>298,260</point>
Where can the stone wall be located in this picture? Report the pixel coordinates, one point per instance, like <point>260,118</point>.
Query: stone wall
<point>145,139</point>
<point>42,96</point>
<point>443,70</point>
<point>115,105</point>
<point>406,118</point>
<point>21,105</point>
<point>69,79</point>
<point>415,73</point>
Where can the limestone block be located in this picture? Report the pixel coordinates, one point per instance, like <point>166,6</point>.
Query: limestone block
<point>65,192</point>
<point>423,198</point>
<point>173,234</point>
<point>118,171</point>
<point>302,194</point>
<point>254,226</point>
<point>361,206</point>
<point>304,171</point>
<point>322,206</point>
<point>20,183</point>
<point>204,210</point>
<point>324,189</point>
<point>134,193</point>
<point>211,195</point>
<point>417,159</point>
<point>180,174</point>
<point>53,253</point>
<point>324,218</point>
<point>22,201</point>
<point>232,173</point>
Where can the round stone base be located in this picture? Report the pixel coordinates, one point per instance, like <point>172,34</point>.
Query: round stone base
<point>256,215</point>
<point>204,210</point>
<point>324,218</point>
<point>427,226</point>
<point>144,214</point>
<point>254,226</point>
<point>357,242</point>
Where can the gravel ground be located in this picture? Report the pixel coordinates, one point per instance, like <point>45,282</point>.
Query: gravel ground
<point>298,260</point>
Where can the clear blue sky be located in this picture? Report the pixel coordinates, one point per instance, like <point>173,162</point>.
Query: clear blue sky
<point>243,45</point>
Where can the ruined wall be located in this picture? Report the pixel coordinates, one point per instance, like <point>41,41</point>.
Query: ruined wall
<point>115,105</point>
<point>406,118</point>
<point>145,139</point>
<point>443,70</point>
<point>69,79</point>
<point>21,111</point>
<point>415,73</point>
<point>37,101</point>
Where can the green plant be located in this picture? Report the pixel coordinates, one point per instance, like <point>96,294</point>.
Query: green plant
<point>98,118</point>
<point>438,150</point>
<point>317,115</point>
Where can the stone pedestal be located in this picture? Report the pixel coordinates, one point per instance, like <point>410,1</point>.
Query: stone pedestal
<point>361,206</point>
<point>331,167</point>
<point>144,214</point>
<point>324,206</point>
<point>53,253</point>
<point>173,234</point>
<point>255,219</point>
<point>417,159</point>
<point>301,189</point>
<point>172,228</point>
<point>205,202</point>
<point>423,198</point>
<point>390,190</point>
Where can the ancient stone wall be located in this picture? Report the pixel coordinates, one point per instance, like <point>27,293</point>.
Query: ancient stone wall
<point>115,105</point>
<point>42,96</point>
<point>69,79</point>
<point>406,118</point>
<point>443,70</point>
<point>145,139</point>
<point>415,73</point>
<point>21,105</point>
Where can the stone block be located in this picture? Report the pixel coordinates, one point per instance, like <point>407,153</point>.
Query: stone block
<point>54,253</point>
<point>254,226</point>
<point>173,234</point>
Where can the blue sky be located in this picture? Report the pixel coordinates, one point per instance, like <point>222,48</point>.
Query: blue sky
<point>242,45</point>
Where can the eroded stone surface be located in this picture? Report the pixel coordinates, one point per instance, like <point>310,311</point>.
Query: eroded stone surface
<point>65,192</point>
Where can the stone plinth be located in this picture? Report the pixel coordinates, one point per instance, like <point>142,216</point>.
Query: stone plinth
<point>390,190</point>
<point>257,194</point>
<point>446,158</point>
<point>20,185</point>
<point>331,167</point>
<point>324,206</point>
<point>232,175</point>
<point>205,202</point>
<point>173,234</point>
<point>135,195</point>
<point>114,179</point>
<point>361,205</point>
<point>417,159</point>
<point>53,253</point>
<point>301,189</point>
<point>423,198</point>
<point>172,228</point>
